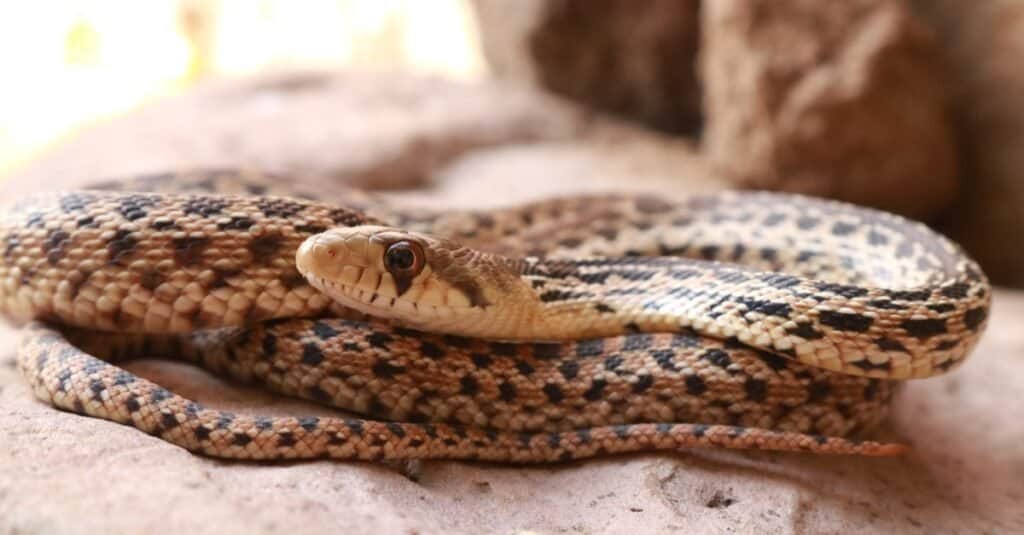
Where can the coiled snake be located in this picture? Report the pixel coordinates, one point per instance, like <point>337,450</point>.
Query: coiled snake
<point>564,329</point>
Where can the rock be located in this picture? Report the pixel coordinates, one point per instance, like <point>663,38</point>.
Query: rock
<point>983,44</point>
<point>841,99</point>
<point>606,156</point>
<point>378,132</point>
<point>374,131</point>
<point>65,473</point>
<point>836,99</point>
<point>635,59</point>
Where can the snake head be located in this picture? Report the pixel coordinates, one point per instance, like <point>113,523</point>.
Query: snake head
<point>419,280</point>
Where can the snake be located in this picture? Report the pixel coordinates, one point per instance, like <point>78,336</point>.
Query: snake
<point>550,331</point>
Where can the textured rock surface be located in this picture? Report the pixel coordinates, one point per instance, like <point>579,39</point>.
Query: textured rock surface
<point>984,44</point>
<point>837,99</point>
<point>67,474</point>
<point>634,58</point>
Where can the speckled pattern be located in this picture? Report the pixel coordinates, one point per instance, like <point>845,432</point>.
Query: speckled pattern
<point>508,402</point>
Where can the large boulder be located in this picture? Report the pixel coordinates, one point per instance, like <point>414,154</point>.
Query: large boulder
<point>632,58</point>
<point>983,44</point>
<point>836,99</point>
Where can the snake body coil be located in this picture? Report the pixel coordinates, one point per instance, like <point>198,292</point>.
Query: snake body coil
<point>742,320</point>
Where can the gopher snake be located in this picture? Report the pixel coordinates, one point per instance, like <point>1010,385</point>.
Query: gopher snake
<point>790,345</point>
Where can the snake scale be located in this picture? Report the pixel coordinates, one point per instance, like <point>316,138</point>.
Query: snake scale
<point>568,328</point>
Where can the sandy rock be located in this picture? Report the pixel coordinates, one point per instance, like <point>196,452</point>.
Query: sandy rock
<point>837,99</point>
<point>380,131</point>
<point>635,59</point>
<point>605,156</point>
<point>984,44</point>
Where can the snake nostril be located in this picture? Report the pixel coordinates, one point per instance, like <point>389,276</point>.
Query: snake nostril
<point>323,251</point>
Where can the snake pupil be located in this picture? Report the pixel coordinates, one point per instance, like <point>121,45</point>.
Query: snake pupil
<point>400,256</point>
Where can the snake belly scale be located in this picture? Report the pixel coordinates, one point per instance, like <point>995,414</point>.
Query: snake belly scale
<point>797,342</point>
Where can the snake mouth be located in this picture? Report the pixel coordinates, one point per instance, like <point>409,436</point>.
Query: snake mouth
<point>375,303</point>
<point>366,301</point>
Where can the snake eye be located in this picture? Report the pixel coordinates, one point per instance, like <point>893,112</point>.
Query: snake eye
<point>404,258</point>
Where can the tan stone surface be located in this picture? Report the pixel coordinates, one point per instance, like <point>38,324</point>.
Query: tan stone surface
<point>62,473</point>
<point>837,99</point>
<point>984,42</point>
<point>384,131</point>
<point>378,132</point>
<point>633,58</point>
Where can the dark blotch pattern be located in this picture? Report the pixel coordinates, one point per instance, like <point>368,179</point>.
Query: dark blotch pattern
<point>974,317</point>
<point>481,360</point>
<point>324,331</point>
<point>554,393</point>
<point>136,206</point>
<point>806,331</point>
<point>506,391</point>
<point>277,207</point>
<point>188,251</point>
<point>924,328</point>
<point>312,355</point>
<point>841,228</point>
<point>695,386</point>
<point>756,389</point>
<point>469,385</point>
<point>888,344</point>
<point>818,391</point>
<point>266,248</point>
<point>54,245</point>
<point>595,390</point>
<point>431,350</point>
<point>204,206</point>
<point>845,321</point>
<point>589,348</point>
<point>121,246</point>
<point>237,222</point>
<point>386,370</point>
<point>842,290</point>
<point>569,369</point>
<point>643,382</point>
<point>718,358</point>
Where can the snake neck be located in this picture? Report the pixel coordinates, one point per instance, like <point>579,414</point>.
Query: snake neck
<point>854,329</point>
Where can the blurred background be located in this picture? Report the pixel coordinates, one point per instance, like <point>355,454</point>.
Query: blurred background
<point>912,106</point>
<point>71,63</point>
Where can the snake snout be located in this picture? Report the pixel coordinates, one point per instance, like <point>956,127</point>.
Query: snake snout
<point>339,256</point>
<point>324,255</point>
